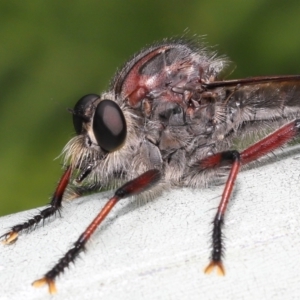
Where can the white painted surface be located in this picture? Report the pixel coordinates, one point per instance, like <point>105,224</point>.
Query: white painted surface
<point>159,250</point>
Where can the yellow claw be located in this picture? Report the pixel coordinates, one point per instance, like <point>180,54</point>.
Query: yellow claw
<point>11,238</point>
<point>49,282</point>
<point>215,264</point>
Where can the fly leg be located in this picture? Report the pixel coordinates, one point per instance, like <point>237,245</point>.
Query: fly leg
<point>232,158</point>
<point>78,190</point>
<point>235,160</point>
<point>133,187</point>
<point>55,205</point>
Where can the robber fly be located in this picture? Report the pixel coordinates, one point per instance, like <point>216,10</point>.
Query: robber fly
<point>169,120</point>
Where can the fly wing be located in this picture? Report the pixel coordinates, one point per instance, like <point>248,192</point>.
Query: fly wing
<point>259,98</point>
<point>248,109</point>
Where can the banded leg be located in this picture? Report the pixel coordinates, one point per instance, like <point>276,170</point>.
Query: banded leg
<point>133,187</point>
<point>235,159</point>
<point>46,213</point>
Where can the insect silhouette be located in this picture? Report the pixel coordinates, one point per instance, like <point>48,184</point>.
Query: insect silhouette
<point>169,120</point>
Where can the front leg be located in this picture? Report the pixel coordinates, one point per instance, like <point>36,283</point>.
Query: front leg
<point>131,188</point>
<point>55,205</point>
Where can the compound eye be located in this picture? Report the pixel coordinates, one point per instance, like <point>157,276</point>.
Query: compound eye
<point>81,109</point>
<point>109,125</point>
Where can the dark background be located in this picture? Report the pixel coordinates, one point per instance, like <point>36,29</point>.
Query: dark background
<point>54,52</point>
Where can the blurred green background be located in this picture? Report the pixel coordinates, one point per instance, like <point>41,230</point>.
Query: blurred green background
<point>54,52</point>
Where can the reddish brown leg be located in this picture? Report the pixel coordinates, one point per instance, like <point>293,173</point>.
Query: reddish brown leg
<point>233,158</point>
<point>236,159</point>
<point>136,186</point>
<point>55,205</point>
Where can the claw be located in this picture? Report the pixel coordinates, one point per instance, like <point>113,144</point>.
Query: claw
<point>9,237</point>
<point>49,282</point>
<point>215,264</point>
